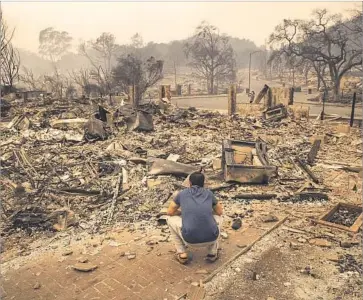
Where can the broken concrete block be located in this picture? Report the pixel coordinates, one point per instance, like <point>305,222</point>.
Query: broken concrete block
<point>152,183</point>
<point>67,252</point>
<point>224,235</point>
<point>269,218</point>
<point>333,257</point>
<point>217,164</point>
<point>36,286</point>
<point>131,256</point>
<point>82,260</point>
<point>84,267</point>
<point>294,246</point>
<point>63,218</point>
<point>348,244</point>
<point>321,138</point>
<point>320,243</point>
<point>342,128</point>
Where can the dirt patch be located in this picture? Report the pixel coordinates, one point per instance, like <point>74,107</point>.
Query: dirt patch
<point>268,277</point>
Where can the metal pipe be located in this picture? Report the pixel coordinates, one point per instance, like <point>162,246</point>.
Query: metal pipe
<point>353,108</point>
<point>323,111</point>
<point>249,74</point>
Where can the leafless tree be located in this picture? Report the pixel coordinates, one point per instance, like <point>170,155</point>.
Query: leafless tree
<point>68,86</point>
<point>56,83</point>
<point>6,33</point>
<point>100,54</point>
<point>323,40</point>
<point>30,80</point>
<point>9,57</point>
<point>81,78</point>
<point>211,55</point>
<point>10,64</point>
<point>277,64</point>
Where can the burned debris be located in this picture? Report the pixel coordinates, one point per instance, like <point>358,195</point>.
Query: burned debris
<point>246,162</point>
<point>67,166</point>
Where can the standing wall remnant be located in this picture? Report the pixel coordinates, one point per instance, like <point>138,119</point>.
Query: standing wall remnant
<point>278,95</point>
<point>232,99</point>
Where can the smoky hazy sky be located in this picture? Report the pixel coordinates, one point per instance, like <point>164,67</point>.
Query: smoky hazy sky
<point>155,21</point>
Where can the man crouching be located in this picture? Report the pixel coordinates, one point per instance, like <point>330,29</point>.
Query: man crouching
<point>200,221</point>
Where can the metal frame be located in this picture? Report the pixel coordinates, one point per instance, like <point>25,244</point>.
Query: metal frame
<point>324,219</point>
<point>246,173</point>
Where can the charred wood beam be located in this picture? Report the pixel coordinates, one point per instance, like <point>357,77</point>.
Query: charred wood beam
<point>314,151</point>
<point>255,196</point>
<point>307,170</point>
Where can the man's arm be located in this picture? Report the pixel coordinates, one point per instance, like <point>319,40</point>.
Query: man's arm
<point>173,209</point>
<point>218,209</point>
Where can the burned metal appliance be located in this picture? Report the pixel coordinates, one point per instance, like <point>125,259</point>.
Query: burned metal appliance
<point>246,162</point>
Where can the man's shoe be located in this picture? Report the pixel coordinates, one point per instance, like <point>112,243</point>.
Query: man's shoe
<point>212,257</point>
<point>182,260</point>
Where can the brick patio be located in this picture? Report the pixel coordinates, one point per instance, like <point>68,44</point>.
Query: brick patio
<point>151,275</point>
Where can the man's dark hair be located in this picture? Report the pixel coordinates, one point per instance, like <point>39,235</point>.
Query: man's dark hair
<point>197,178</point>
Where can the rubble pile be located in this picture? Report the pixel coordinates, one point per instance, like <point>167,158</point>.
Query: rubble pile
<point>63,166</point>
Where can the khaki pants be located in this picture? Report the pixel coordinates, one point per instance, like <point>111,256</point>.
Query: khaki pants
<point>175,225</point>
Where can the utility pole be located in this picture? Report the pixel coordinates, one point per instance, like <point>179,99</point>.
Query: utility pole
<point>353,108</point>
<point>176,87</point>
<point>249,74</point>
<point>323,111</point>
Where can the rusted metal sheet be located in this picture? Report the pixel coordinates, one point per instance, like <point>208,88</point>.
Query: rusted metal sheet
<point>238,158</point>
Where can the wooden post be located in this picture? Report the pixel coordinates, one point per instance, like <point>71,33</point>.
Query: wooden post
<point>353,108</point>
<point>314,151</point>
<point>232,99</point>
<point>323,111</point>
<point>189,89</point>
